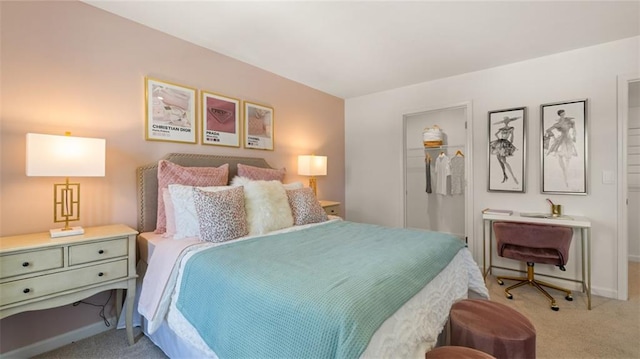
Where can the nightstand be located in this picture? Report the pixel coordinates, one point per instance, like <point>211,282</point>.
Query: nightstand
<point>332,208</point>
<point>40,272</point>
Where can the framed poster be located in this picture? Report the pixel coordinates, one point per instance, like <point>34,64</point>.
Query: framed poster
<point>258,126</point>
<point>170,112</point>
<point>220,120</point>
<point>564,147</point>
<point>507,150</point>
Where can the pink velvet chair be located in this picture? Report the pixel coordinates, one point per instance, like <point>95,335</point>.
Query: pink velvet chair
<point>533,243</point>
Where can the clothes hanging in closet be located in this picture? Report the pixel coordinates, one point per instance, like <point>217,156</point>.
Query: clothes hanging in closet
<point>443,170</point>
<point>457,175</point>
<point>428,173</point>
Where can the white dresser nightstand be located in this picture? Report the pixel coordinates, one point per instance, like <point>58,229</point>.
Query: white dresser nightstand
<point>332,208</point>
<point>40,272</point>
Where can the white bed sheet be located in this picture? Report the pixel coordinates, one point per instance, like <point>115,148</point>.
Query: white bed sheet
<point>147,242</point>
<point>409,333</point>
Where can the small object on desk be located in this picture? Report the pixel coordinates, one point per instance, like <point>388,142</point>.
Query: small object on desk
<point>556,209</point>
<point>506,212</point>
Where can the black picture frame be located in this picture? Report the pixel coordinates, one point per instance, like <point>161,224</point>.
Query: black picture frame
<point>506,148</point>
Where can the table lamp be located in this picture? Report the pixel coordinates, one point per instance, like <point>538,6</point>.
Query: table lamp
<point>65,156</point>
<point>311,165</point>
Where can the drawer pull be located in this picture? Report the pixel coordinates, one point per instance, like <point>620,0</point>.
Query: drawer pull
<point>101,251</point>
<point>25,264</point>
<point>100,274</point>
<point>26,290</point>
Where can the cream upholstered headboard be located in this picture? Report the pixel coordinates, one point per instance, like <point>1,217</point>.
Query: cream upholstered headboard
<point>147,180</point>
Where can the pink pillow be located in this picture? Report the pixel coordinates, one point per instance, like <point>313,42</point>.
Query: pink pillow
<point>305,207</point>
<point>171,173</point>
<point>260,174</point>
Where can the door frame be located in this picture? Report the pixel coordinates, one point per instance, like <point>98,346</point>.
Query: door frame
<point>623,230</point>
<point>468,165</point>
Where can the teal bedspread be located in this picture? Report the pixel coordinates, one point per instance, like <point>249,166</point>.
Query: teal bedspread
<point>320,292</point>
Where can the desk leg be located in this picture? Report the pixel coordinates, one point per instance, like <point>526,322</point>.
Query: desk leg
<point>490,247</point>
<point>484,249</point>
<point>586,261</point>
<point>486,269</point>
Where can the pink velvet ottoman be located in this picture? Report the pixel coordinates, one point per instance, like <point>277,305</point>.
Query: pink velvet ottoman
<point>493,328</point>
<point>454,352</point>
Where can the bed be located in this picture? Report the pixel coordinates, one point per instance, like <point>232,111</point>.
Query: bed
<point>329,288</point>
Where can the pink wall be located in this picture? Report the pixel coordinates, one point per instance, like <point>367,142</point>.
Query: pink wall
<point>67,66</point>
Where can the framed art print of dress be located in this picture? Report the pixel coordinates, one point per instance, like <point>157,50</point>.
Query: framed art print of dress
<point>563,147</point>
<point>507,150</point>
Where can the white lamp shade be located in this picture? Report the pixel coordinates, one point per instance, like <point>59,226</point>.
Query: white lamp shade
<point>65,156</point>
<point>310,165</point>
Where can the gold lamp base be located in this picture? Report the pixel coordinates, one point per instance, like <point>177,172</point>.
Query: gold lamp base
<point>312,184</point>
<point>66,208</point>
<point>65,232</point>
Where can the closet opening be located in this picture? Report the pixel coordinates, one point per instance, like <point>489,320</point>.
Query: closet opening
<point>437,175</point>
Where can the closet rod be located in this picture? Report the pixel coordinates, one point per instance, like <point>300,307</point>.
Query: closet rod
<point>434,148</point>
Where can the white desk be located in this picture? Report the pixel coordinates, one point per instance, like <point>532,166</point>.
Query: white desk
<point>577,222</point>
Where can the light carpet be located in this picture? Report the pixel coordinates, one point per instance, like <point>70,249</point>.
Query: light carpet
<point>611,329</point>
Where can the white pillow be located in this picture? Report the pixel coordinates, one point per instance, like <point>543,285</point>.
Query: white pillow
<point>266,204</point>
<point>184,209</point>
<point>169,213</point>
<point>293,185</point>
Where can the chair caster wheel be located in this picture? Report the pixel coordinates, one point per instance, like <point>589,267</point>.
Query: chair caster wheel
<point>509,296</point>
<point>555,308</point>
<point>569,298</point>
<point>500,282</point>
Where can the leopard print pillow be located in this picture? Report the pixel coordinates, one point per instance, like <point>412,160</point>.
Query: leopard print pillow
<point>305,207</point>
<point>221,215</point>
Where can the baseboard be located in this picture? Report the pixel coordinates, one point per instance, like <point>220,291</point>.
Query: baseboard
<point>604,292</point>
<point>59,341</point>
<point>634,258</point>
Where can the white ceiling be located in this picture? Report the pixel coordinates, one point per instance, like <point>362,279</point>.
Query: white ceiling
<point>353,48</point>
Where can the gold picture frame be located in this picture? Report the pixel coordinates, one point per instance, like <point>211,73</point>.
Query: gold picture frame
<point>220,116</point>
<point>170,112</point>
<point>258,126</point>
